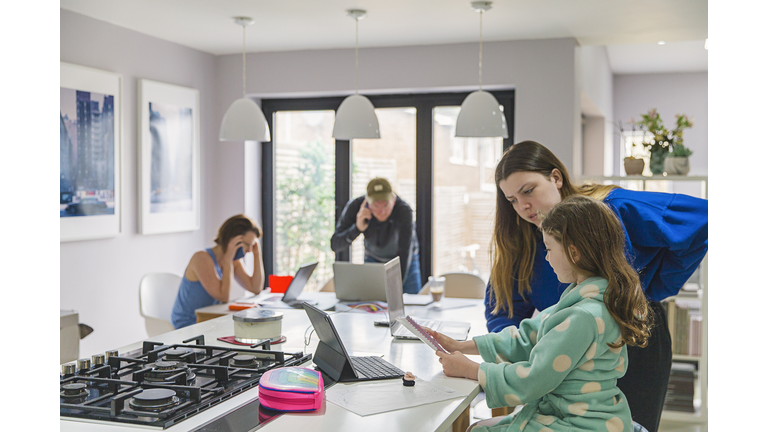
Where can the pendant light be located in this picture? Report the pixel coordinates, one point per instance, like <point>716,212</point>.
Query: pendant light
<point>244,120</point>
<point>356,117</point>
<point>480,115</point>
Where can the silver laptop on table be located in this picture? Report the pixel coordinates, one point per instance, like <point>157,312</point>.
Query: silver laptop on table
<point>359,282</point>
<point>396,308</point>
<point>290,298</point>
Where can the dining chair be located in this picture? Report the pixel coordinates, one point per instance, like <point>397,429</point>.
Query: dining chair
<point>157,293</point>
<point>461,285</point>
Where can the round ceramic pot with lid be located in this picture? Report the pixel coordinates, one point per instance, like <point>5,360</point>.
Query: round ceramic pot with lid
<point>255,324</point>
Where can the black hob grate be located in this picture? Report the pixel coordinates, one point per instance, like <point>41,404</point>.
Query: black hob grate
<point>161,385</point>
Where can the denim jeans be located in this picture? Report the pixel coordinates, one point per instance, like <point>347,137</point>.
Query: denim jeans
<point>412,282</point>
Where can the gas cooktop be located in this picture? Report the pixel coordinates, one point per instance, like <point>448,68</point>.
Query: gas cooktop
<point>161,385</point>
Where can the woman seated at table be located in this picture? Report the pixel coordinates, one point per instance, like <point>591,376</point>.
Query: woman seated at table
<point>210,273</point>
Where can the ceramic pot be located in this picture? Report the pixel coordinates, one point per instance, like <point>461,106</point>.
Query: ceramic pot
<point>675,165</point>
<point>634,166</point>
<point>657,162</point>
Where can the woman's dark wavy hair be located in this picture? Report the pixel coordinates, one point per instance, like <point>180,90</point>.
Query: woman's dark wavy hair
<point>514,240</point>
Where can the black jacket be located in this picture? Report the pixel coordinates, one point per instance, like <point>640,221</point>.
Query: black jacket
<point>383,240</point>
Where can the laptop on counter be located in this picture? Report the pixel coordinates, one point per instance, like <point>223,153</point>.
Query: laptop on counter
<point>360,282</point>
<point>333,360</point>
<point>458,330</point>
<point>290,298</point>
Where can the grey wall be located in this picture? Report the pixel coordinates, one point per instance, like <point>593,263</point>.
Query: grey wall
<point>100,278</point>
<point>670,94</point>
<point>595,79</point>
<point>541,71</point>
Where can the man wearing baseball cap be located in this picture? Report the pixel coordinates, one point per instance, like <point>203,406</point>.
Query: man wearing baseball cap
<point>386,222</point>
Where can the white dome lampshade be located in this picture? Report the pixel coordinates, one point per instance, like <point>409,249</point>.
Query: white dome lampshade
<point>356,118</point>
<point>481,117</point>
<point>244,121</point>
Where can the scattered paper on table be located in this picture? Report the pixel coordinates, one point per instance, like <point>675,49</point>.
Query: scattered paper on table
<point>390,395</point>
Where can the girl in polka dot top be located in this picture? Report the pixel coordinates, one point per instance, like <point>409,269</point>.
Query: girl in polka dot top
<point>563,364</point>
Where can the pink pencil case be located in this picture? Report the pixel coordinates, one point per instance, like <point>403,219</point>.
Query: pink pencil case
<point>291,389</point>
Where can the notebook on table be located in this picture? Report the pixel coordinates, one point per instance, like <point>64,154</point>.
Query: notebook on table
<point>422,334</point>
<point>333,360</point>
<point>457,330</point>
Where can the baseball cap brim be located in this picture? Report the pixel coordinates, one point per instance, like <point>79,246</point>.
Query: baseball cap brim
<point>379,196</point>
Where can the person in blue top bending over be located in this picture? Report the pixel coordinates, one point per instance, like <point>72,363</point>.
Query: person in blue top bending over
<point>210,273</point>
<point>666,239</point>
<point>563,364</point>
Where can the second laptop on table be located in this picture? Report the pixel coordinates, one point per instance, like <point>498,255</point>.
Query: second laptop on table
<point>457,330</point>
<point>291,297</point>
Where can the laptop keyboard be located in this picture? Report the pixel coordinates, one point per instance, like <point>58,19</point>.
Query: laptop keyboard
<point>373,367</point>
<point>430,324</point>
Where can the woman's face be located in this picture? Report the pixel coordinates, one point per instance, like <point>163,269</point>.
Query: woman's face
<point>249,241</point>
<point>557,259</point>
<point>532,194</point>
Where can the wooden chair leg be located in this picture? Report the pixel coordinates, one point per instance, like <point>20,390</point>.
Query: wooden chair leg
<point>503,411</point>
<point>462,422</point>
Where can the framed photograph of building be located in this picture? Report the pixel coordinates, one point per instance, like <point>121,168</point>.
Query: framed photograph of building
<point>169,158</point>
<point>89,150</point>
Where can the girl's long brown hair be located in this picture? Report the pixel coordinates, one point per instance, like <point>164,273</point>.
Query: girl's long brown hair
<point>591,227</point>
<point>514,240</point>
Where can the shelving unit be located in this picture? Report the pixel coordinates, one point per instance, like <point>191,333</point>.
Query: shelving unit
<point>662,184</point>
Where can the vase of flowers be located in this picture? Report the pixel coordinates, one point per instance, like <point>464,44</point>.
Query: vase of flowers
<point>663,143</point>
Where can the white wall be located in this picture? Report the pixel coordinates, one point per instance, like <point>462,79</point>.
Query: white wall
<point>100,278</point>
<point>670,94</point>
<point>595,80</point>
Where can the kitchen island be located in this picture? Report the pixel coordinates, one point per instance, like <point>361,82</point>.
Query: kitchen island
<point>361,338</point>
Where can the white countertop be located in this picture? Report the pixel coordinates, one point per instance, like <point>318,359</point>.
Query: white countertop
<point>360,338</point>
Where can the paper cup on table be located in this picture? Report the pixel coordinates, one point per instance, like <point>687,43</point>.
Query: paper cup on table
<point>437,288</point>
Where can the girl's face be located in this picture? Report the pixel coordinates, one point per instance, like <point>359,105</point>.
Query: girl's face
<point>532,194</point>
<point>559,261</point>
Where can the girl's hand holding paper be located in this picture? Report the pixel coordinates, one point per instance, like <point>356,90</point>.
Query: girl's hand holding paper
<point>458,365</point>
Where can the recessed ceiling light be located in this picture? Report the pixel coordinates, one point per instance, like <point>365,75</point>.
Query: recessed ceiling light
<point>661,42</point>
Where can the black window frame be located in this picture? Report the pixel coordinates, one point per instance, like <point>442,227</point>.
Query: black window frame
<point>424,104</point>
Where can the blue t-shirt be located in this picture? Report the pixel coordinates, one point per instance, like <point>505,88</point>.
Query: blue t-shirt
<point>192,296</point>
<point>666,238</point>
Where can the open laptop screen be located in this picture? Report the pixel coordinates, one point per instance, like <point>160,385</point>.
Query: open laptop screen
<point>298,282</point>
<point>394,290</point>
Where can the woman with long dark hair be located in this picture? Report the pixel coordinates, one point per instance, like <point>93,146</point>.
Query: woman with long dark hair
<point>666,240</point>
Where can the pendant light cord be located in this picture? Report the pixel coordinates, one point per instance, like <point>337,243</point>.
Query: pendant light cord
<point>481,49</point>
<point>243,60</point>
<point>357,22</point>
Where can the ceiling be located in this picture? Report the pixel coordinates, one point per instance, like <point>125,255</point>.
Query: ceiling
<point>631,29</point>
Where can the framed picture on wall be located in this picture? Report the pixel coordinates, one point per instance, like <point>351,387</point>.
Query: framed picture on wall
<point>169,158</point>
<point>89,150</point>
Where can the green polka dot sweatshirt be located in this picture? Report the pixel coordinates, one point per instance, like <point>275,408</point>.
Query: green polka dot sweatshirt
<point>560,366</point>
